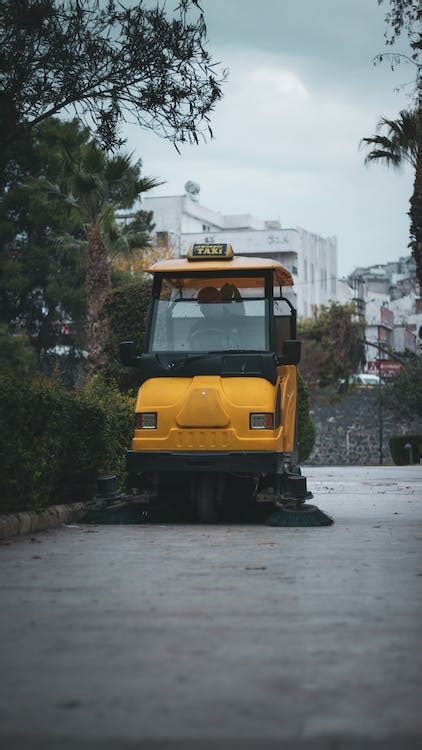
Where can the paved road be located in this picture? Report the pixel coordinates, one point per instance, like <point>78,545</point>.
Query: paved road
<point>237,636</point>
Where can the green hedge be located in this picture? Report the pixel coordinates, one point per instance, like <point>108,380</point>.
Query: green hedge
<point>126,311</point>
<point>54,442</point>
<point>398,452</point>
<point>306,425</point>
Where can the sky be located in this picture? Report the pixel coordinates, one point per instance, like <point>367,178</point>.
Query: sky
<point>301,92</point>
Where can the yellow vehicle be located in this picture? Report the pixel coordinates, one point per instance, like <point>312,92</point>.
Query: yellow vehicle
<point>216,413</point>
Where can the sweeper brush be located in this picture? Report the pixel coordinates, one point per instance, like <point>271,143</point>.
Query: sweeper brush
<point>299,515</point>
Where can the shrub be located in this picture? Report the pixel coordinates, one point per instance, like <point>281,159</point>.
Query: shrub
<point>306,425</point>
<point>398,452</point>
<point>126,311</point>
<point>403,394</point>
<point>54,442</point>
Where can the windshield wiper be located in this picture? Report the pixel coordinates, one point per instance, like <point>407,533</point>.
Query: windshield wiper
<point>196,357</point>
<point>236,351</point>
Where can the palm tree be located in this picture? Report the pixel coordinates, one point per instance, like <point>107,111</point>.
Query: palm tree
<point>399,143</point>
<point>98,187</point>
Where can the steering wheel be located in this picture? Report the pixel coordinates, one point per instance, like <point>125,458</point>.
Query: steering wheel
<point>206,332</point>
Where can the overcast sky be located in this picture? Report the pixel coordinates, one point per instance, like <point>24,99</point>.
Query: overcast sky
<point>301,92</point>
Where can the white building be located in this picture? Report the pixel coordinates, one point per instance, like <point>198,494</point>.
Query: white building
<point>181,221</point>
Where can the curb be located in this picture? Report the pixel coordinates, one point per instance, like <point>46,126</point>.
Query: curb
<point>27,522</point>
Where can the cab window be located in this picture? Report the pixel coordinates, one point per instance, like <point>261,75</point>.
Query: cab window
<point>282,323</point>
<point>210,314</point>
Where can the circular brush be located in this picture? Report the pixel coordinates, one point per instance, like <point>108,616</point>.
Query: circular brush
<point>305,515</point>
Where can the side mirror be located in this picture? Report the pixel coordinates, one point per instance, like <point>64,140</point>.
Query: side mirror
<point>127,352</point>
<point>290,353</point>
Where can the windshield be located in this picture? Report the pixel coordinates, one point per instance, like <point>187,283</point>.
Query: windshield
<point>210,314</point>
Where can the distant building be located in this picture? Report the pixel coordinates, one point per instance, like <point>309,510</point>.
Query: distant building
<point>181,221</point>
<point>395,279</point>
<point>394,324</point>
<point>404,340</point>
<point>391,286</point>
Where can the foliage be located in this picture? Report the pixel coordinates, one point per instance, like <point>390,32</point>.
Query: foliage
<point>118,423</point>
<point>55,442</point>
<point>136,235</point>
<point>16,354</point>
<point>306,425</point>
<point>41,281</point>
<point>398,452</point>
<point>407,15</point>
<point>401,143</point>
<point>398,145</point>
<point>54,191</point>
<point>126,310</point>
<point>99,186</point>
<point>403,395</point>
<point>112,62</point>
<point>141,259</point>
<point>331,344</point>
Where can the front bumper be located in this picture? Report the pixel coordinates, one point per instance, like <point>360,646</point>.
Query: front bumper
<point>242,462</point>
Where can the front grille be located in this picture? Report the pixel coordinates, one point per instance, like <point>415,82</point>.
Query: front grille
<point>202,439</point>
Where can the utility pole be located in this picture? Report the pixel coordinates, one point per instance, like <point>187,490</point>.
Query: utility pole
<point>380,415</point>
<point>381,349</point>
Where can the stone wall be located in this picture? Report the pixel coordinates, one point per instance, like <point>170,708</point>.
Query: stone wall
<point>348,428</point>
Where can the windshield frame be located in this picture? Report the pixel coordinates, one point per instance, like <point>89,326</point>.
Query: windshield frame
<point>223,274</point>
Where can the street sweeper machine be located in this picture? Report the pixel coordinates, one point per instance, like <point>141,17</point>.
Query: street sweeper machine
<point>216,412</point>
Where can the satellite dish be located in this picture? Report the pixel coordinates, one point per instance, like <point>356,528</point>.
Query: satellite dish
<point>192,189</point>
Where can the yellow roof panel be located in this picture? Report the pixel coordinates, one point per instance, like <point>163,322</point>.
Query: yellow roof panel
<point>239,263</point>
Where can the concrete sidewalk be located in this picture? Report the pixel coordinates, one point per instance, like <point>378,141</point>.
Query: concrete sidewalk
<point>222,636</point>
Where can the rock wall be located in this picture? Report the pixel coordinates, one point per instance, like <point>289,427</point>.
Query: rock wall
<point>347,428</point>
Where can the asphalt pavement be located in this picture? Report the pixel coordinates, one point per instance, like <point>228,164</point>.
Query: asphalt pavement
<point>168,636</point>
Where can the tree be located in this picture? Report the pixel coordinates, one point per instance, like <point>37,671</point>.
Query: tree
<point>98,187</point>
<point>404,14</point>
<point>407,15</point>
<point>143,254</point>
<point>57,192</point>
<point>110,62</point>
<point>403,395</point>
<point>398,145</point>
<point>332,344</point>
<point>41,282</point>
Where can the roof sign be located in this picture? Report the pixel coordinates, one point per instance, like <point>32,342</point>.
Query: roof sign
<point>210,252</point>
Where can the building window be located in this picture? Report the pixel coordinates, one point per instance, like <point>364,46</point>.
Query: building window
<point>294,270</point>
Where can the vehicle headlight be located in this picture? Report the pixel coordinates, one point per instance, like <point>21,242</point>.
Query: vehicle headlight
<point>146,420</point>
<point>263,421</point>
